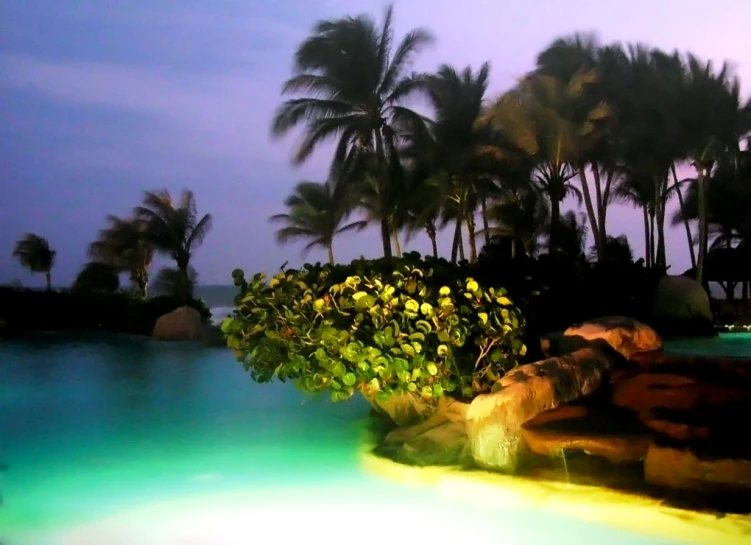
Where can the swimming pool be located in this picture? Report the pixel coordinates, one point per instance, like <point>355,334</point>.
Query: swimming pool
<point>117,440</point>
<point>724,344</point>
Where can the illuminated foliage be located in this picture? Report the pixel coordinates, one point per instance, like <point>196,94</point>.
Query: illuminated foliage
<point>374,328</point>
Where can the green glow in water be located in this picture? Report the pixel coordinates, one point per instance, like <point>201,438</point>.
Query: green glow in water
<point>151,436</point>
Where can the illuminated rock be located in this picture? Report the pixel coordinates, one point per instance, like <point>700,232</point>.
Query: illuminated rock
<point>440,440</point>
<point>647,391</point>
<point>621,438</point>
<point>624,335</point>
<point>182,324</point>
<point>494,420</point>
<point>690,468</point>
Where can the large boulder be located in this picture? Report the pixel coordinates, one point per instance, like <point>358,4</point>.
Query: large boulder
<point>681,308</point>
<point>688,468</point>
<point>182,324</point>
<point>440,440</point>
<point>615,435</point>
<point>405,409</point>
<point>624,335</point>
<point>494,420</point>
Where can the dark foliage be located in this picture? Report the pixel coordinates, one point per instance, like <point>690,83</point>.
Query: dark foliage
<point>25,310</point>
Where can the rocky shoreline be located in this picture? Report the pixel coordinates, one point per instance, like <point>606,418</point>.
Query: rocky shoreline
<point>606,407</point>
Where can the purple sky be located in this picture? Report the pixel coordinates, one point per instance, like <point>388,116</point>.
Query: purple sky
<point>101,101</point>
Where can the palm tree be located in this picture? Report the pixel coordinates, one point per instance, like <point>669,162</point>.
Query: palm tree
<point>353,85</point>
<point>316,212</point>
<point>713,119</point>
<point>543,118</point>
<point>174,228</point>
<point>125,245</point>
<point>617,251</point>
<point>34,253</point>
<point>521,215</point>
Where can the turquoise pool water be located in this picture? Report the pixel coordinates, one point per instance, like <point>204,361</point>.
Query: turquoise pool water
<point>127,441</point>
<point>725,344</point>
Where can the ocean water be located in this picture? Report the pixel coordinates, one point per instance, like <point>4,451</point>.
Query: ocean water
<point>117,440</point>
<point>220,299</point>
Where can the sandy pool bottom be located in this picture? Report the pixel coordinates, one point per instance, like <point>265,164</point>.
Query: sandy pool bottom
<point>433,506</point>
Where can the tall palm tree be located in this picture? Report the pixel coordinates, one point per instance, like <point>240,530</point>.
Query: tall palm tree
<point>353,84</point>
<point>34,253</point>
<point>125,245</point>
<point>174,228</point>
<point>543,118</point>
<point>713,119</point>
<point>316,212</point>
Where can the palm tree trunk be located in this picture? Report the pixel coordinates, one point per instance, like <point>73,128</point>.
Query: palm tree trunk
<point>605,202</point>
<point>652,253</point>
<point>485,224</point>
<point>660,197</point>
<point>457,240</point>
<point>555,220</point>
<point>703,233</point>
<point>430,228</point>
<point>383,195</point>
<point>330,250</point>
<point>472,241</point>
<point>48,277</point>
<point>647,239</point>
<point>685,219</point>
<point>601,206</point>
<point>397,246</point>
<point>591,212</point>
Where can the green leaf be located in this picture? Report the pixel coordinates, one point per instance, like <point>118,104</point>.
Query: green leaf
<point>318,304</point>
<point>426,309</point>
<point>437,390</point>
<point>445,290</point>
<point>472,285</point>
<point>338,370</point>
<point>432,369</point>
<point>442,350</point>
<point>412,387</point>
<point>483,316</point>
<point>505,301</point>
<point>349,379</point>
<point>359,295</point>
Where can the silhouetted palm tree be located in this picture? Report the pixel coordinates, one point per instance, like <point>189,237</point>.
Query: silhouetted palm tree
<point>125,244</point>
<point>34,253</point>
<point>353,85</point>
<point>174,228</point>
<point>316,212</point>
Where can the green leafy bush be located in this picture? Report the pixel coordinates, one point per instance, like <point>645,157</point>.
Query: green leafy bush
<point>382,330</point>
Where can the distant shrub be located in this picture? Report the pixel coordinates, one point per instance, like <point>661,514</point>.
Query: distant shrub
<point>379,327</point>
<point>97,277</point>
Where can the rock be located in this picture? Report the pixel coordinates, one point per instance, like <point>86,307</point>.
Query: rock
<point>550,344</point>
<point>182,324</point>
<point>681,308</point>
<point>672,426</point>
<point>617,436</point>
<point>683,467</point>
<point>494,420</point>
<point>624,335</point>
<point>405,409</point>
<point>440,440</point>
<point>648,391</point>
